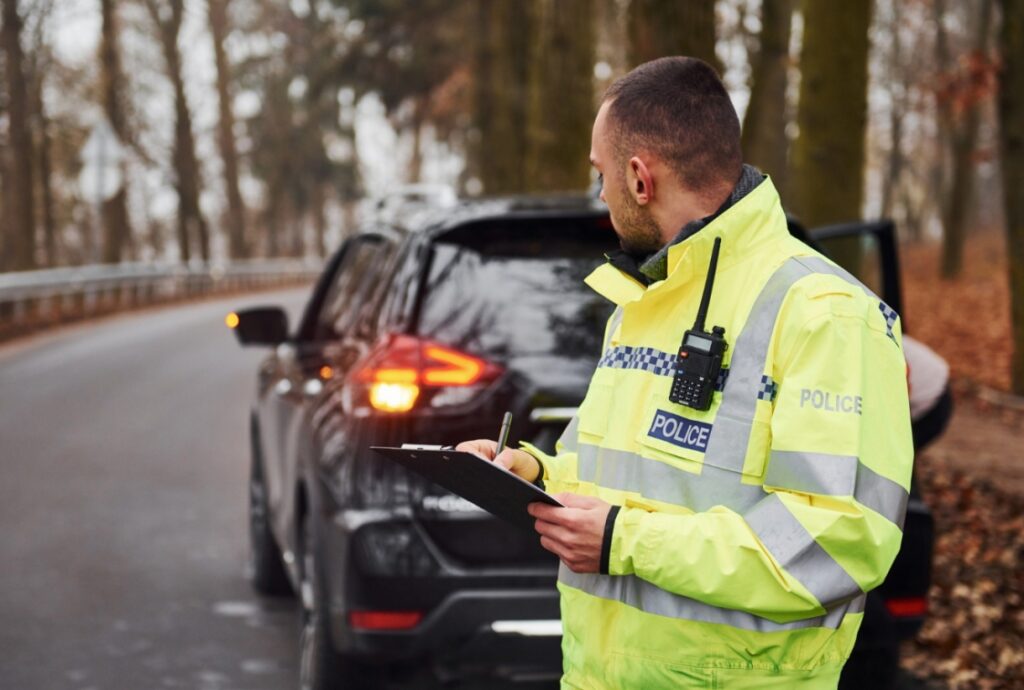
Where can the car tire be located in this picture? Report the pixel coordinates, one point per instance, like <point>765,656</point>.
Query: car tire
<point>321,667</point>
<point>266,567</point>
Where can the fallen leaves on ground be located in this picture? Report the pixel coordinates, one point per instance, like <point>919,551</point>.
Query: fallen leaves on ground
<point>974,635</point>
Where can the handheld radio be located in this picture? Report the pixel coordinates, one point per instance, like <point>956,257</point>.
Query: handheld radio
<point>700,354</point>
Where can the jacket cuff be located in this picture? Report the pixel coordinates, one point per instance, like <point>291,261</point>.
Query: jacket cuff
<point>539,481</point>
<point>606,543</point>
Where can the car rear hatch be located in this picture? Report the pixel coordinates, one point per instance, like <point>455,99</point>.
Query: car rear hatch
<point>510,292</point>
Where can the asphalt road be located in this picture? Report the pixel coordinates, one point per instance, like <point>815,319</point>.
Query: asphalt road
<point>123,466</point>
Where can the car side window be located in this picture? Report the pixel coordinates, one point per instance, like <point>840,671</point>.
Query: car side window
<point>354,284</point>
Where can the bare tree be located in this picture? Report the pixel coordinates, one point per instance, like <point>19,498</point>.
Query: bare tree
<point>38,65</point>
<point>116,227</point>
<point>658,28</point>
<point>897,110</point>
<point>764,125</point>
<point>19,242</point>
<point>560,109</point>
<point>827,182</point>
<point>218,17</point>
<point>167,16</point>
<point>960,100</point>
<point>1011,144</point>
<point>501,77</point>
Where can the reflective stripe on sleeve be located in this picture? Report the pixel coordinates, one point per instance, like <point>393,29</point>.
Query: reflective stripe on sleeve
<point>812,473</point>
<point>796,552</point>
<point>882,495</point>
<point>641,594</point>
<point>837,475</point>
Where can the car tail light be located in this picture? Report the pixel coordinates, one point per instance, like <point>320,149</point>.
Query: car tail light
<point>384,620</point>
<point>403,368</point>
<point>907,607</point>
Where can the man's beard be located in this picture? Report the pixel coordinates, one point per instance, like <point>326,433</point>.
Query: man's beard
<point>639,234</point>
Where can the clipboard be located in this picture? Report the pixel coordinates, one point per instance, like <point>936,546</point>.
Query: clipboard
<point>480,481</point>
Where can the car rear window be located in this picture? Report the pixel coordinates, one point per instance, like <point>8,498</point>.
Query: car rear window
<point>516,289</point>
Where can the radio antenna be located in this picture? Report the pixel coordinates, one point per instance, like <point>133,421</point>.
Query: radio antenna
<point>705,299</point>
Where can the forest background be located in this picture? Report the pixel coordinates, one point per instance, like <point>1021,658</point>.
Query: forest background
<point>237,129</point>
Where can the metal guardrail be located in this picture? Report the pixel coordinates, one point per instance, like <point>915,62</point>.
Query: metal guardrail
<point>36,299</point>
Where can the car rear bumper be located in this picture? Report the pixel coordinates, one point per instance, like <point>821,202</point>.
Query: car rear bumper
<point>502,621</point>
<point>515,633</point>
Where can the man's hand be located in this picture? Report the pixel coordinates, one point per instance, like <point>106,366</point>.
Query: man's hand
<point>518,462</point>
<point>575,533</point>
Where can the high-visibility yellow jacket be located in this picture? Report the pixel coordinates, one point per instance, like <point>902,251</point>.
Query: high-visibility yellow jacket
<point>746,535</point>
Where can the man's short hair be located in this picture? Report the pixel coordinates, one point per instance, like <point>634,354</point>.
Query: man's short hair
<point>678,109</point>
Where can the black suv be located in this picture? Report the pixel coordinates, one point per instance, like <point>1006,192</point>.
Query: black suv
<point>427,330</point>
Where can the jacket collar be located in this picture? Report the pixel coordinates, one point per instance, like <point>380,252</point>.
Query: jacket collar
<point>743,227</point>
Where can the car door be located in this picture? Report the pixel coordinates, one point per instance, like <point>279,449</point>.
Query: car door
<point>299,372</point>
<point>336,337</point>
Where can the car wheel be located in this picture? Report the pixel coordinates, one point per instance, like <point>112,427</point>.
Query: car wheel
<point>321,667</point>
<point>265,564</point>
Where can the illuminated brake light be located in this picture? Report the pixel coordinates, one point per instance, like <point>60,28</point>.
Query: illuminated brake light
<point>232,320</point>
<point>393,397</point>
<point>462,370</point>
<point>384,620</point>
<point>396,373</point>
<point>908,607</point>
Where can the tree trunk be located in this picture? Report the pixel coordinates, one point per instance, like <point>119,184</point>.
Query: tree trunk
<point>827,182</point>
<point>419,114</point>
<point>116,227</point>
<point>235,215</point>
<point>1011,144</point>
<point>44,151</point>
<point>19,242</point>
<point>502,69</point>
<point>560,110</point>
<point>660,28</point>
<point>965,135</point>
<point>318,203</point>
<point>764,125</point>
<point>191,223</point>
<point>897,96</point>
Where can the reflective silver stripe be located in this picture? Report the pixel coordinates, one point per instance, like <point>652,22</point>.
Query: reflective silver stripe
<point>812,473</point>
<point>882,495</point>
<point>625,471</point>
<point>816,264</point>
<point>799,554</point>
<point>568,440</point>
<point>641,594</point>
<point>838,475</point>
<point>819,265</point>
<point>727,447</point>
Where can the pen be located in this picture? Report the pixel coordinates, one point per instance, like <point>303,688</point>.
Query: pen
<point>506,424</point>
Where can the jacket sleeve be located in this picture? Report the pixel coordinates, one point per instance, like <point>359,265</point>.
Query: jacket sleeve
<point>836,477</point>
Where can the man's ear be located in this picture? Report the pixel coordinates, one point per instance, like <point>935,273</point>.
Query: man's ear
<point>639,181</point>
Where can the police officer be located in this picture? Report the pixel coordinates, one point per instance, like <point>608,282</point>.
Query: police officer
<point>728,547</point>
